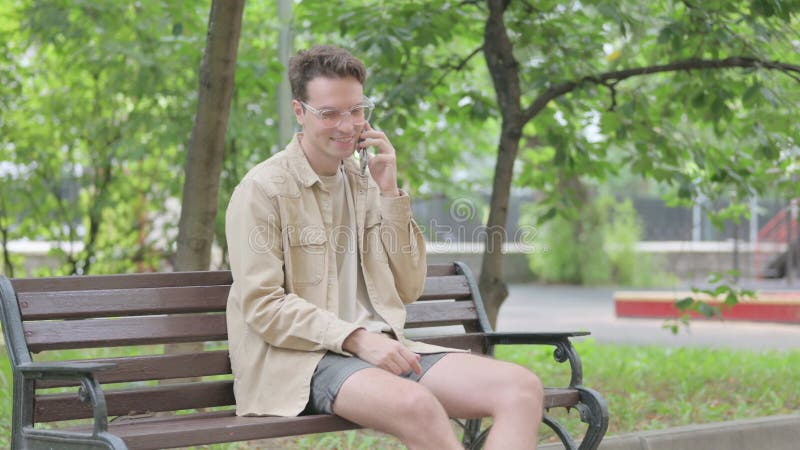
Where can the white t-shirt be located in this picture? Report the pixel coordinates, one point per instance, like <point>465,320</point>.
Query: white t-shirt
<point>354,304</point>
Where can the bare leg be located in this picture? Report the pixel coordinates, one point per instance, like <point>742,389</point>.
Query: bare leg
<point>377,399</point>
<point>471,386</point>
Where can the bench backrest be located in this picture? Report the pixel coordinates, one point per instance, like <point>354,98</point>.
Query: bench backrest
<point>128,317</point>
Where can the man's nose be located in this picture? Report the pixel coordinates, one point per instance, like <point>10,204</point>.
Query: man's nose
<point>347,123</point>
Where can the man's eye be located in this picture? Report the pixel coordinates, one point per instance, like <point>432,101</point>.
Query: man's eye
<point>329,114</point>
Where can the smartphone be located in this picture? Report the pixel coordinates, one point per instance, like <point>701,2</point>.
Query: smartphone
<point>363,155</point>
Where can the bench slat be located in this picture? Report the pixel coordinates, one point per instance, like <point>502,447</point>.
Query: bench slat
<point>216,427</point>
<point>122,302</point>
<point>84,304</point>
<point>440,270</point>
<point>430,314</point>
<point>121,402</point>
<point>150,280</point>
<point>446,287</point>
<point>55,407</point>
<point>185,365</point>
<point>223,426</point>
<point>156,367</point>
<point>144,330</point>
<point>126,281</point>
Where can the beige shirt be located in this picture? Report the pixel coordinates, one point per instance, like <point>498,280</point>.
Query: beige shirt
<point>283,309</point>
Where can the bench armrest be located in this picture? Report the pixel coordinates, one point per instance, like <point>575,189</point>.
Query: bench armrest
<point>41,370</point>
<point>561,340</point>
<point>506,338</point>
<point>90,390</point>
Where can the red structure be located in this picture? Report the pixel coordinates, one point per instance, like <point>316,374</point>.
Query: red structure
<point>774,306</point>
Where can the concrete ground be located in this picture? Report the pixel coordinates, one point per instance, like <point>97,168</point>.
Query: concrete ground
<point>764,433</point>
<point>534,307</point>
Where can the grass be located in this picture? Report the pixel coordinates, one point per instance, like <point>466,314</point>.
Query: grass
<point>646,388</point>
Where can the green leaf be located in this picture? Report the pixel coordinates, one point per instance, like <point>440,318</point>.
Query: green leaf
<point>549,215</point>
<point>707,310</point>
<point>684,303</point>
<point>719,290</point>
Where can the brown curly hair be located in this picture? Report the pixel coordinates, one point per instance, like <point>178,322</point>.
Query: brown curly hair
<point>322,61</point>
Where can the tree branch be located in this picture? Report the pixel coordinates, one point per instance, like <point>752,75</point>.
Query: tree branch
<point>457,67</point>
<point>610,79</point>
<point>470,2</point>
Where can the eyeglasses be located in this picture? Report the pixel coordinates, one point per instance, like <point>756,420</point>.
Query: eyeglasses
<point>332,118</point>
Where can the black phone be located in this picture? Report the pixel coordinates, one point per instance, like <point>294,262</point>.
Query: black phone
<point>363,155</point>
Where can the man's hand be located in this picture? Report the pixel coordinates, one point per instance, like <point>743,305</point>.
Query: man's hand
<point>381,351</point>
<point>382,166</point>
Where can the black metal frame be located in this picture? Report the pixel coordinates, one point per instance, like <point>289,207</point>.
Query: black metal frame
<point>592,407</point>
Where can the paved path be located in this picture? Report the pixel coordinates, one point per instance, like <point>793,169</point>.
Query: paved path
<point>532,307</point>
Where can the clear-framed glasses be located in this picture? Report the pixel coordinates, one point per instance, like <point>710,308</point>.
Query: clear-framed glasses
<point>332,118</point>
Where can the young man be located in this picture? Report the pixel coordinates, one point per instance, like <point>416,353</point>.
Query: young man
<point>324,255</point>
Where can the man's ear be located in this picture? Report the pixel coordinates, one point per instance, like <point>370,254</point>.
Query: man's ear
<point>298,111</point>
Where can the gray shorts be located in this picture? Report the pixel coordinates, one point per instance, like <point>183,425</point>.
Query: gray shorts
<point>334,369</point>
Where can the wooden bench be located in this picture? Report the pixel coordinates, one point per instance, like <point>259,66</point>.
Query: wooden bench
<point>114,311</point>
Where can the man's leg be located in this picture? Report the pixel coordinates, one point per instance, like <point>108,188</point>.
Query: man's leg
<point>471,386</point>
<point>377,399</point>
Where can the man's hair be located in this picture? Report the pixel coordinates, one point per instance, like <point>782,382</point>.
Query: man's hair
<point>322,61</point>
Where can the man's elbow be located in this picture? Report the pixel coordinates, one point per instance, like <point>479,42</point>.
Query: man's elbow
<point>412,290</point>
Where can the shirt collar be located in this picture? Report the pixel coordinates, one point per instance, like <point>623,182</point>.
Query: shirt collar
<point>303,169</point>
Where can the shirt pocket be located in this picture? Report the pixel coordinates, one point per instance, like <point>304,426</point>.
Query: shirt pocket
<point>374,246</point>
<point>307,248</point>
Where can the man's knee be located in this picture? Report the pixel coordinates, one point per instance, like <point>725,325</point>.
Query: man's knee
<point>520,388</point>
<point>417,406</point>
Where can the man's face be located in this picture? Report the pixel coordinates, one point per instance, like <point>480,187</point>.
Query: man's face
<point>326,147</point>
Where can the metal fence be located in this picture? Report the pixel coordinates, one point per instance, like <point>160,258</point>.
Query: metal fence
<point>463,219</point>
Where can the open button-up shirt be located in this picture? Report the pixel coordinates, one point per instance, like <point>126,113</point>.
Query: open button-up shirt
<point>283,306</point>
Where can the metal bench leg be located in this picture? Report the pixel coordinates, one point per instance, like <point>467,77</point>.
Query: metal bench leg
<point>472,428</point>
<point>477,444</point>
<point>560,431</point>
<point>50,439</point>
<point>594,412</point>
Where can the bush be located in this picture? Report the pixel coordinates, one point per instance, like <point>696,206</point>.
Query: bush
<point>595,245</point>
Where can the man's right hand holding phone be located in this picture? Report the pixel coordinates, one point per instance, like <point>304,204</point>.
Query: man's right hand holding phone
<point>383,165</point>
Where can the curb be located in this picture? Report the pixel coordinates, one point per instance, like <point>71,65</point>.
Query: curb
<point>768,306</point>
<point>765,433</point>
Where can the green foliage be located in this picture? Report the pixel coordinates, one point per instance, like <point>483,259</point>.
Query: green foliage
<point>723,291</point>
<point>96,103</point>
<point>650,388</point>
<point>96,118</point>
<point>597,245</point>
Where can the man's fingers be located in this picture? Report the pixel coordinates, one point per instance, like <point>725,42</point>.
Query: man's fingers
<point>412,359</point>
<point>394,367</point>
<point>373,142</point>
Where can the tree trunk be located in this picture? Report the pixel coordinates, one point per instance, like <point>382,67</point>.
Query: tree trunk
<point>492,286</point>
<point>207,142</point>
<point>505,77</point>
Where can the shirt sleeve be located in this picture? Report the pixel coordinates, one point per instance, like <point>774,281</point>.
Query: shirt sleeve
<point>405,246</point>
